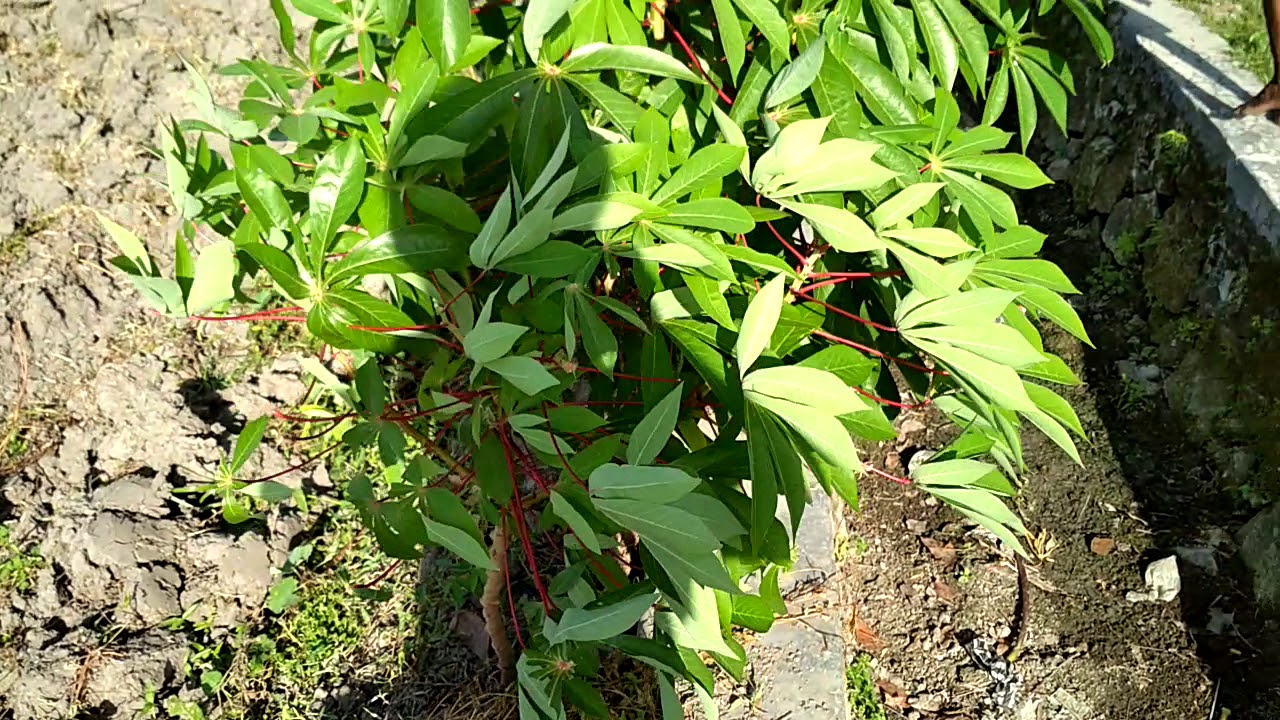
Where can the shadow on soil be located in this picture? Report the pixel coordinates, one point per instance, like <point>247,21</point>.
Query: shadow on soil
<point>1180,493</point>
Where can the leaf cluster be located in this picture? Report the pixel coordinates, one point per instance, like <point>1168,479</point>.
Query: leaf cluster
<point>621,278</point>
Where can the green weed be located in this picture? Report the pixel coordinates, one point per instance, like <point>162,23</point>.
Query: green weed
<point>864,698</point>
<point>1244,28</point>
<point>18,564</point>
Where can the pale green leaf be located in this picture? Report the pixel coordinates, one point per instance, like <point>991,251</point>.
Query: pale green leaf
<point>758,323</point>
<point>460,542</point>
<point>215,272</point>
<point>843,230</point>
<point>527,374</point>
<point>602,56</point>
<point>650,483</point>
<point>490,341</point>
<point>590,625</point>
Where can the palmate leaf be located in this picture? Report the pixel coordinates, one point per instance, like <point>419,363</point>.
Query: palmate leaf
<point>481,193</point>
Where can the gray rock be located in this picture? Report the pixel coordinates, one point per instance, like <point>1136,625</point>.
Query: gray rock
<point>1130,220</point>
<point>1202,558</point>
<point>1260,550</point>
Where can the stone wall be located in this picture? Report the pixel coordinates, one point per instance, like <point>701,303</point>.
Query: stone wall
<point>1169,208</point>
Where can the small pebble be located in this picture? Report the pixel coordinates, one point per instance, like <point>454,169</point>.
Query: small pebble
<point>1102,545</point>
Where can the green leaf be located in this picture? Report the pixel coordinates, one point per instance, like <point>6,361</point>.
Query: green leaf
<point>1027,113</point>
<point>130,245</point>
<point>969,35</point>
<point>264,198</point>
<point>552,259</point>
<point>1049,304</point>
<point>1009,168</point>
<point>489,341</point>
<point>843,230</point>
<point>974,307</point>
<point>679,540</point>
<point>904,204</point>
<point>283,595</point>
<point>650,483</point>
<point>597,338</point>
<point>707,165</point>
<point>752,613</point>
<point>998,343</point>
<point>758,324</point>
<point>938,242</point>
<point>878,87</point>
<point>320,9</point>
<point>582,625</point>
<point>268,491</point>
<point>714,213</point>
<point>979,197</point>
<point>470,115</point>
<point>371,388</point>
<point>446,206</point>
<point>852,367</point>
<point>1033,272</point>
<point>997,382</point>
<point>334,196</point>
<point>602,56</point>
<point>765,16</point>
<point>539,17</point>
<point>997,95</point>
<point>1098,35</point>
<point>280,266</point>
<point>494,230</point>
<point>732,40</point>
<point>944,56</point>
<point>817,389</point>
<point>432,147</point>
<point>576,522</point>
<point>679,256</point>
<point>1050,89</point>
<point>532,231</point>
<point>394,15</point>
<point>596,215</point>
<point>409,249</point>
<point>621,110</point>
<point>1054,406</point>
<point>526,374</point>
<point>825,434</point>
<point>653,431</point>
<point>247,442</point>
<point>215,271</point>
<point>707,293</point>
<point>665,526</point>
<point>492,473</point>
<point>985,509</point>
<point>445,26</point>
<point>460,543</point>
<point>797,76</point>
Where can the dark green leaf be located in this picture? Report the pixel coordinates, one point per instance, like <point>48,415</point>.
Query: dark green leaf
<point>334,196</point>
<point>651,435</point>
<point>247,442</point>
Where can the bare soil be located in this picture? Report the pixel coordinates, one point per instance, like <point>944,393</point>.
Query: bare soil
<point>924,582</point>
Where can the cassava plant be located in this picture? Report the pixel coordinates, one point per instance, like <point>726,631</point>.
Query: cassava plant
<point>620,279</point>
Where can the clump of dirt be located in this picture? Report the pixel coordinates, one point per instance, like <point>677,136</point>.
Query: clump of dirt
<point>925,583</point>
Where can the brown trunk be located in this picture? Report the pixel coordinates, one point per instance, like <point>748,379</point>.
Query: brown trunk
<point>491,602</point>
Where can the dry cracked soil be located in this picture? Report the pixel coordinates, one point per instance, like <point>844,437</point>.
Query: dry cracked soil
<point>104,409</point>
